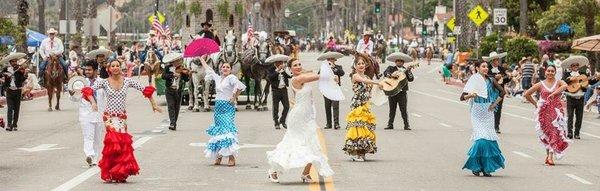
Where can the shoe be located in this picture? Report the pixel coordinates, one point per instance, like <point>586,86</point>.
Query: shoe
<point>284,125</point>
<point>273,176</point>
<point>477,173</point>
<point>277,126</point>
<point>337,126</point>
<point>9,128</point>
<point>89,161</point>
<point>389,128</point>
<point>327,127</point>
<point>576,136</point>
<point>306,178</point>
<point>218,160</point>
<point>14,128</point>
<point>407,128</point>
<point>549,162</point>
<point>487,174</point>
<point>570,135</point>
<point>172,128</point>
<point>231,162</point>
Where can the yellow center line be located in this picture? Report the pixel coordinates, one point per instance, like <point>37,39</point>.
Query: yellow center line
<point>327,182</point>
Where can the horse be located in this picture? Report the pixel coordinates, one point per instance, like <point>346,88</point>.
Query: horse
<point>413,53</point>
<point>53,81</point>
<point>372,67</point>
<point>198,87</point>
<point>429,55</point>
<point>152,66</point>
<point>230,54</point>
<point>380,50</point>
<point>254,67</point>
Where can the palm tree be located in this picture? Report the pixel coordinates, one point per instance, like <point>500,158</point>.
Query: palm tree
<point>23,21</point>
<point>523,17</point>
<point>270,10</point>
<point>41,5</point>
<point>92,13</point>
<point>76,8</point>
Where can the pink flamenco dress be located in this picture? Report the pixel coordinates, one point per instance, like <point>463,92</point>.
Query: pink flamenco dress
<point>118,161</point>
<point>551,127</point>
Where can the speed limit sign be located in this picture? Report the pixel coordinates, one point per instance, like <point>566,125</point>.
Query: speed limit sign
<point>500,16</point>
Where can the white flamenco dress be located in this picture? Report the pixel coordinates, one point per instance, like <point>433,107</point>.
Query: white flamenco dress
<point>300,145</point>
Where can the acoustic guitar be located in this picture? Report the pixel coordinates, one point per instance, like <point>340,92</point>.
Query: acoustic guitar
<point>577,83</point>
<point>393,86</point>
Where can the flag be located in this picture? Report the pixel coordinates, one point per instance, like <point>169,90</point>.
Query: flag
<point>167,32</point>
<point>157,26</point>
<point>250,32</point>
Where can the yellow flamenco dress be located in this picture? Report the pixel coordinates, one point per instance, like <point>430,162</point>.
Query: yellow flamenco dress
<point>360,136</point>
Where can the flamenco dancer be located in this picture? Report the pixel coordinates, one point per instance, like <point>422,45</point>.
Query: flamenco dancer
<point>118,161</point>
<point>223,132</point>
<point>360,136</point>
<point>485,155</point>
<point>300,147</point>
<point>551,126</point>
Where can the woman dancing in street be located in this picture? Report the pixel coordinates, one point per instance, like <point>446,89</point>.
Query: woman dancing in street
<point>299,146</point>
<point>223,132</point>
<point>118,160</point>
<point>360,136</point>
<point>485,155</point>
<point>551,126</point>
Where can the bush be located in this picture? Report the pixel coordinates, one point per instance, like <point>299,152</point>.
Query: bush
<point>546,46</point>
<point>519,47</point>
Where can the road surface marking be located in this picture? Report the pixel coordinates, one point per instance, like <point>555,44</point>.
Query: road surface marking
<point>574,177</point>
<point>504,112</point>
<point>157,131</point>
<point>591,135</point>
<point>522,154</point>
<point>93,171</point>
<point>323,183</point>
<point>445,125</point>
<point>42,147</point>
<point>416,115</point>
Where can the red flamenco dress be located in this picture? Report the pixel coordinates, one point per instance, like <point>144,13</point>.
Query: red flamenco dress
<point>550,125</point>
<point>118,161</point>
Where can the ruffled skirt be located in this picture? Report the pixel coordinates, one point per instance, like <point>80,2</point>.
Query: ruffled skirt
<point>118,161</point>
<point>224,135</point>
<point>360,135</point>
<point>484,156</point>
<point>551,127</point>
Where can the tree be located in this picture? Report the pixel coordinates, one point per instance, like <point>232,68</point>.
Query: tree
<point>270,10</point>
<point>76,8</point>
<point>41,7</point>
<point>23,21</point>
<point>92,42</point>
<point>523,17</point>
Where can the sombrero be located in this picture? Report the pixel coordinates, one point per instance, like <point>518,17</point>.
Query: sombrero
<point>493,55</point>
<point>152,32</point>
<point>92,54</point>
<point>368,32</point>
<point>172,57</point>
<point>399,56</point>
<point>277,58</point>
<point>76,84</point>
<point>12,56</point>
<point>575,59</point>
<point>328,55</point>
<point>292,33</point>
<point>206,23</point>
<point>51,31</point>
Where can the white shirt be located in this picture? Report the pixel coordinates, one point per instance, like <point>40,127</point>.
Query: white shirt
<point>51,47</point>
<point>86,113</point>
<point>11,70</point>
<point>225,86</point>
<point>362,47</point>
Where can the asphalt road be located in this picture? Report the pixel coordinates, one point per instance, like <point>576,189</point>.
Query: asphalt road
<point>46,153</point>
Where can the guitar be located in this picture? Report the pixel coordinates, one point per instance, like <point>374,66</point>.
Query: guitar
<point>393,86</point>
<point>577,83</point>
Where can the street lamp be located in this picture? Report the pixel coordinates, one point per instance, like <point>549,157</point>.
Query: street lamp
<point>257,12</point>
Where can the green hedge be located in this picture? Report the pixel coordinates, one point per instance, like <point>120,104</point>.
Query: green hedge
<point>519,47</point>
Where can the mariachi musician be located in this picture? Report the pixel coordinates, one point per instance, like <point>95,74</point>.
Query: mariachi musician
<point>399,99</point>
<point>13,77</point>
<point>175,75</point>
<point>573,75</point>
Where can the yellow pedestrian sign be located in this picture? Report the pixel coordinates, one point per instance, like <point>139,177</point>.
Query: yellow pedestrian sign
<point>478,15</point>
<point>161,18</point>
<point>451,23</point>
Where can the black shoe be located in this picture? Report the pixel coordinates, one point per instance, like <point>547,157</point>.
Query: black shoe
<point>477,173</point>
<point>284,125</point>
<point>487,174</point>
<point>407,128</point>
<point>389,128</point>
<point>337,126</point>
<point>327,127</point>
<point>14,128</point>
<point>577,137</point>
<point>570,135</point>
<point>498,132</point>
<point>172,127</point>
<point>277,126</point>
<point>9,128</point>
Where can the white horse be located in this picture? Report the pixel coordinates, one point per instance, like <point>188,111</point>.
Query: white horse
<point>199,89</point>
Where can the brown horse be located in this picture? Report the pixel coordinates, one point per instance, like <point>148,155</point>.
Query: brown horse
<point>152,66</point>
<point>372,67</point>
<point>54,78</point>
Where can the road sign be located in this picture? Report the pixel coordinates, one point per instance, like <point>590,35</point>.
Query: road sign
<point>478,15</point>
<point>450,24</point>
<point>500,16</point>
<point>161,18</point>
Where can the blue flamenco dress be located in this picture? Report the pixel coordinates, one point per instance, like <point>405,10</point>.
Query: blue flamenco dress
<point>223,132</point>
<point>485,155</point>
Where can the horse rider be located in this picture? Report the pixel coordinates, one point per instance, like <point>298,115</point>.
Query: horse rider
<point>176,44</point>
<point>365,45</point>
<point>152,40</point>
<point>207,32</point>
<point>51,46</point>
<point>13,77</point>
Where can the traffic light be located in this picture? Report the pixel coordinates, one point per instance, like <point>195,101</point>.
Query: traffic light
<point>377,7</point>
<point>329,5</point>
